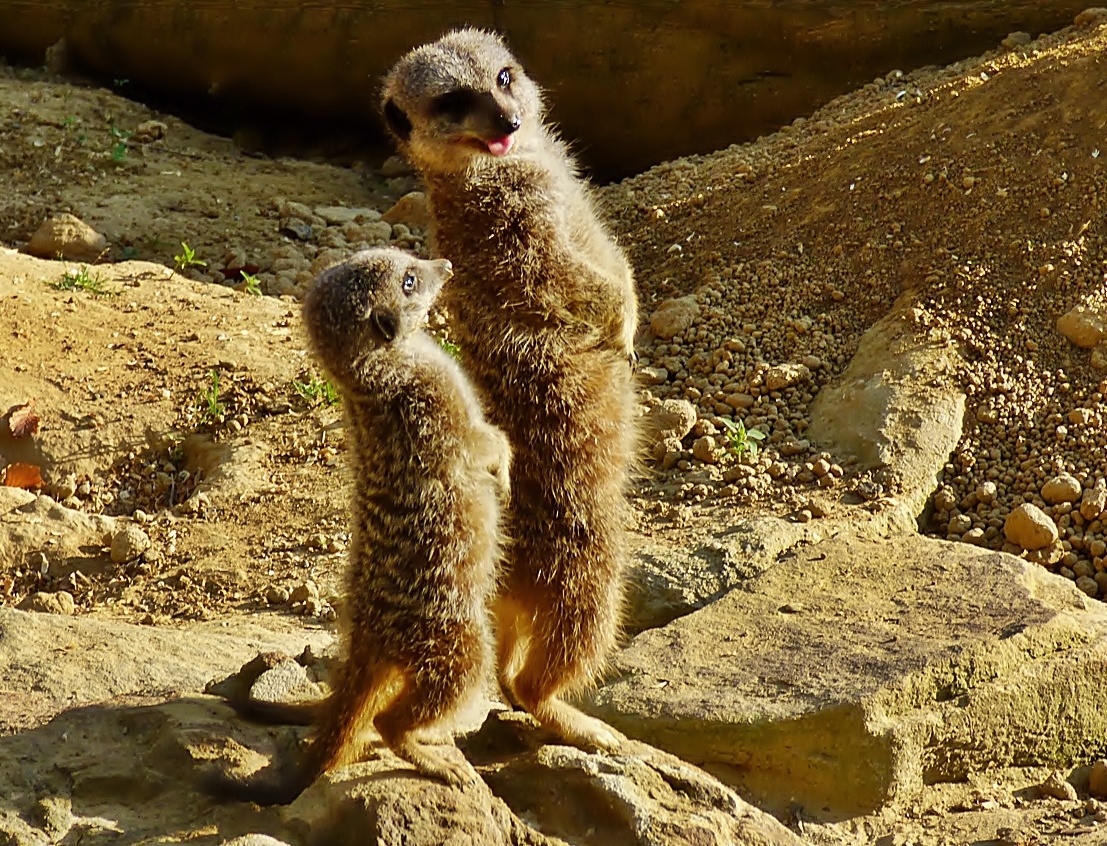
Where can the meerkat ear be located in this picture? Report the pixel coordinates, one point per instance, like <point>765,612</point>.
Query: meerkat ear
<point>386,323</point>
<point>397,121</point>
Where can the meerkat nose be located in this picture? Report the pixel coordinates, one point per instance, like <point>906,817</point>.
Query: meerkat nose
<point>508,123</point>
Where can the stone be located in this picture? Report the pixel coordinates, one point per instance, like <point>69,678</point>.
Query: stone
<point>807,709</point>
<point>1088,585</point>
<point>1094,16</point>
<point>304,591</point>
<point>149,130</point>
<point>1015,40</point>
<point>785,376</point>
<point>672,419</point>
<point>674,316</point>
<point>67,237</point>
<point>396,166</point>
<point>1097,779</point>
<point>341,215</point>
<point>297,229</point>
<point>277,595</point>
<point>652,376</point>
<point>1030,527</point>
<point>1061,488</point>
<point>128,543</point>
<point>410,210</point>
<point>1057,787</point>
<point>286,682</point>
<point>894,408</point>
<point>50,603</point>
<point>1093,502</point>
<point>706,450</point>
<point>254,840</point>
<point>1084,326</point>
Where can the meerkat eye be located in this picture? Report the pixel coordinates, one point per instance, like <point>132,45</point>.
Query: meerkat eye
<point>504,78</point>
<point>409,283</point>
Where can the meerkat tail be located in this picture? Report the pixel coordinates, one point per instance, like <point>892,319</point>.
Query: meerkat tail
<point>279,713</point>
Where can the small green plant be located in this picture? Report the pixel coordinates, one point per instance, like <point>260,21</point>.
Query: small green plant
<point>130,253</point>
<point>187,258</point>
<point>83,280</point>
<point>70,121</point>
<point>209,402</point>
<point>252,284</point>
<point>450,347</point>
<point>316,391</point>
<point>119,147</point>
<point>119,83</point>
<point>743,441</point>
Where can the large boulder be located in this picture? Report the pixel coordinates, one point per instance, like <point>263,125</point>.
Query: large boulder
<point>854,671</point>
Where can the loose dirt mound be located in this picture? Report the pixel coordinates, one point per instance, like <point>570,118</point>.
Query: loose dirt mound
<point>970,197</point>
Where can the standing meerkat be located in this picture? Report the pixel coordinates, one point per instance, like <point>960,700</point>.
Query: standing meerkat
<point>429,473</point>
<point>544,309</point>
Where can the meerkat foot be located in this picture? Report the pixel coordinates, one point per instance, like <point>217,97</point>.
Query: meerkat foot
<point>438,763</point>
<point>575,727</point>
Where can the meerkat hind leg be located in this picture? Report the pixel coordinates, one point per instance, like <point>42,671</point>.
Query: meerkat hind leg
<point>402,726</point>
<point>511,638</point>
<point>538,684</point>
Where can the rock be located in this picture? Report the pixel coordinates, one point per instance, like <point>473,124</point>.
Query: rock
<point>116,659</point>
<point>1097,779</point>
<point>1016,40</point>
<point>396,166</point>
<point>254,840</point>
<point>304,591</point>
<point>128,543</point>
<point>651,376</point>
<point>1061,488</point>
<point>785,375</point>
<point>667,582</point>
<point>340,215</point>
<point>960,524</point>
<point>286,682</point>
<point>1084,326</point>
<point>674,316</point>
<point>277,595</point>
<point>50,603</point>
<point>894,408</point>
<point>149,130</point>
<point>986,492</point>
<point>1058,788</point>
<point>1093,502</point>
<point>1095,16</point>
<point>1088,585</point>
<point>799,708</point>
<point>671,419</point>
<point>411,210</point>
<point>706,450</point>
<point>297,229</point>
<point>67,237</point>
<point>1030,527</point>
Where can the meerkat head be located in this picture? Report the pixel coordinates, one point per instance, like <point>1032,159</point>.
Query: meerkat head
<point>371,301</point>
<point>461,99</point>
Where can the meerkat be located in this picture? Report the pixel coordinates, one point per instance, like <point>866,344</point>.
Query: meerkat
<point>544,307</point>
<point>429,474</point>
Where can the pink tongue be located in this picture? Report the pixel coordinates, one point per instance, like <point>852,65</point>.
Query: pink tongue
<point>500,146</point>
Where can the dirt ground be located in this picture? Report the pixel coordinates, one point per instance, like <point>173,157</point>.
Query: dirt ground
<point>976,191</point>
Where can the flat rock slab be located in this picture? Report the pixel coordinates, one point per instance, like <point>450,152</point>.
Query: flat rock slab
<point>64,661</point>
<point>854,671</point>
<point>129,775</point>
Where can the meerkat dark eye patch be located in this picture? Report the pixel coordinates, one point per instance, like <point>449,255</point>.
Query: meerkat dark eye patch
<point>397,121</point>
<point>454,105</point>
<point>386,324</point>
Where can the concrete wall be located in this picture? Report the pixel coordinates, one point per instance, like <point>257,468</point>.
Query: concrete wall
<point>633,83</point>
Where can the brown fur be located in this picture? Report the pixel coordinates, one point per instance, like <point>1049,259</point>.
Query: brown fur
<point>429,472</point>
<point>544,307</point>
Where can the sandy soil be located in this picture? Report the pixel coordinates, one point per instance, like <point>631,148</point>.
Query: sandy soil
<point>976,192</point>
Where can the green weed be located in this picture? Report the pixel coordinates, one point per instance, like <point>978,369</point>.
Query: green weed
<point>450,347</point>
<point>119,147</point>
<point>317,391</point>
<point>742,441</point>
<point>208,402</point>
<point>187,258</point>
<point>83,280</point>
<point>252,284</point>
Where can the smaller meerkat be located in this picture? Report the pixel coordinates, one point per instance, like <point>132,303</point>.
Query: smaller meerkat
<point>429,474</point>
